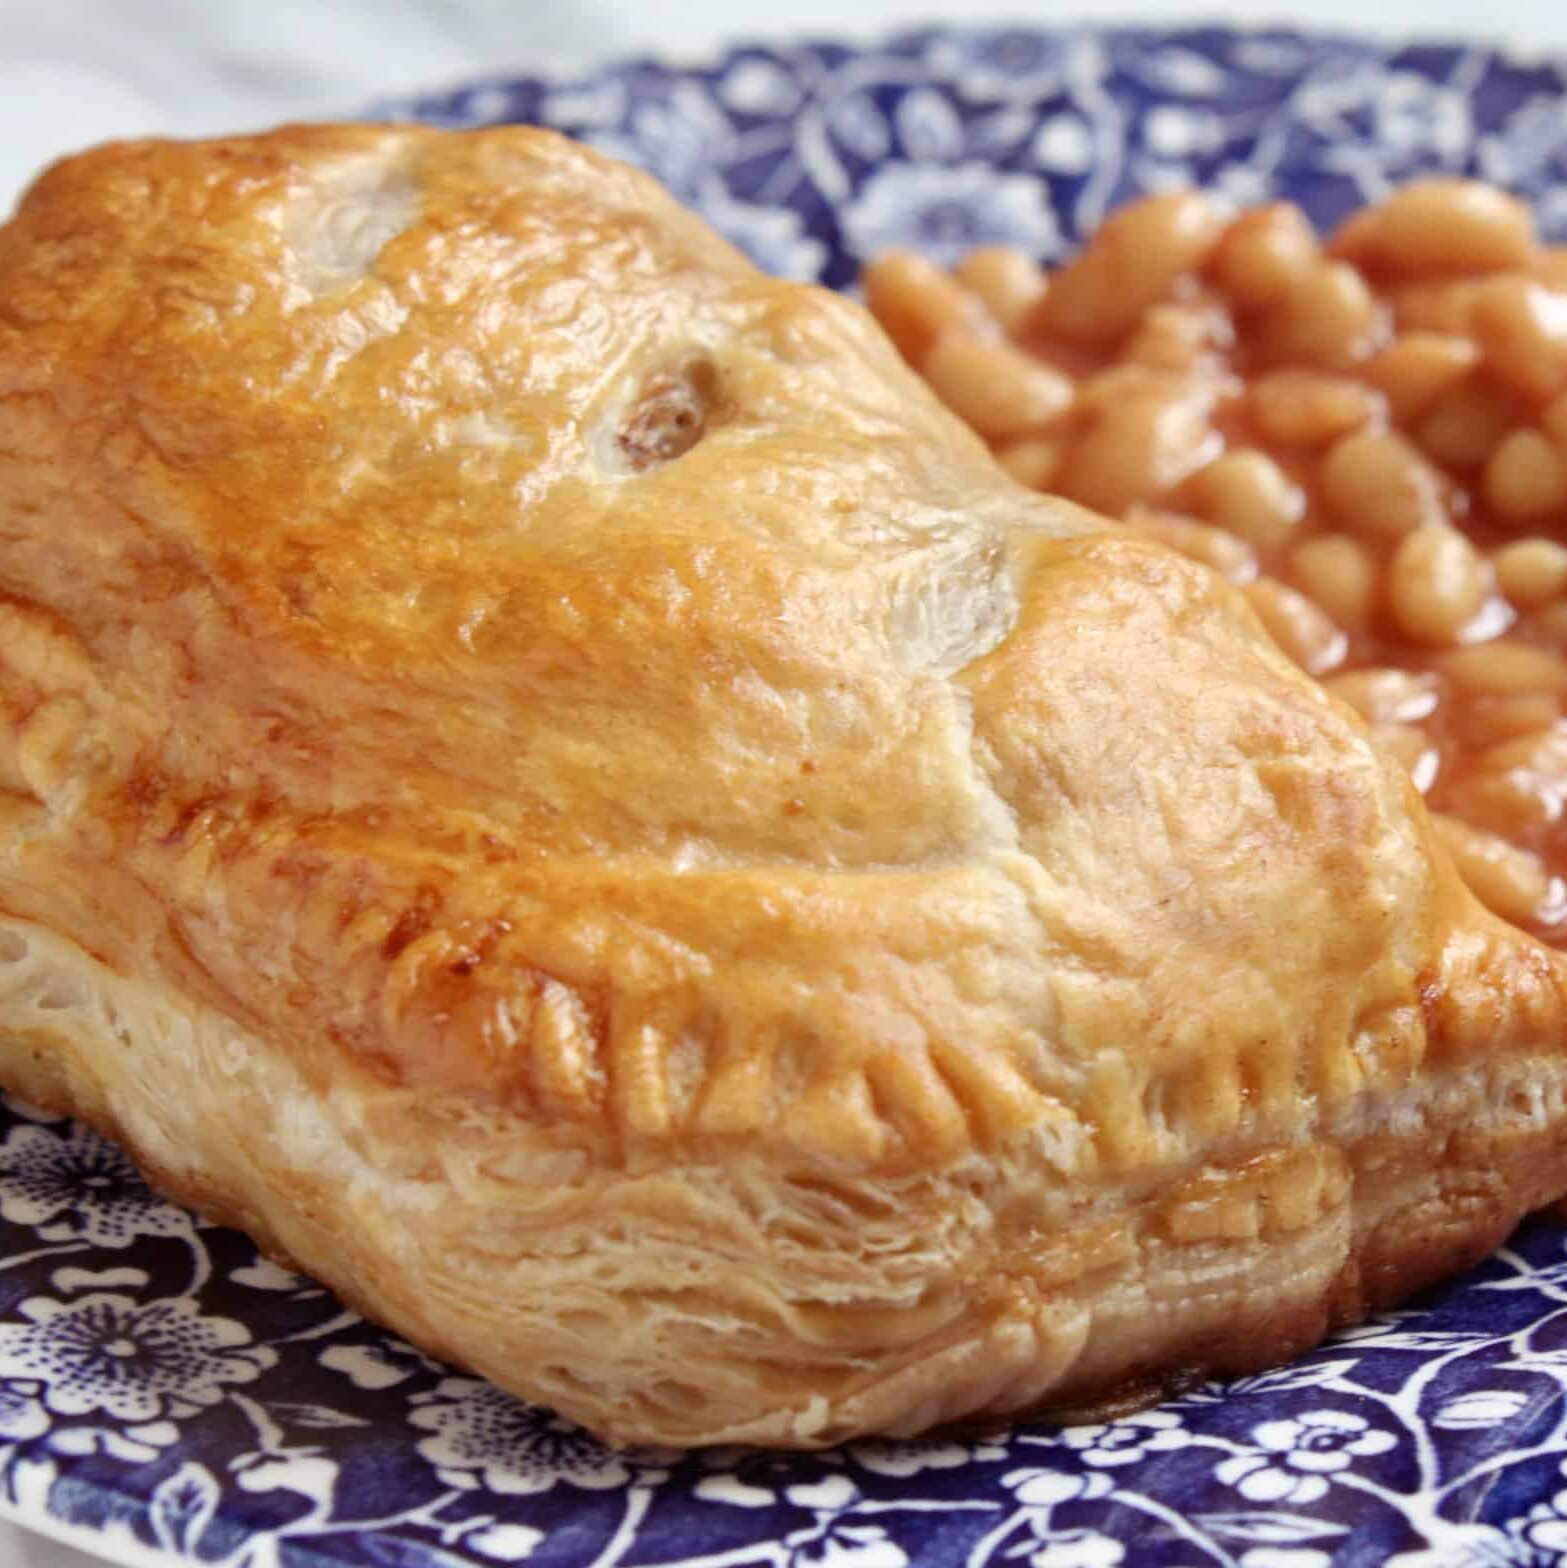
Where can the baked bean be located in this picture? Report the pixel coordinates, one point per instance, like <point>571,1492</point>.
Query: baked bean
<point>1416,368</point>
<point>1248,493</point>
<point>1120,384</point>
<point>1548,626</point>
<point>916,302</point>
<point>1308,408</point>
<point>1463,426</point>
<point>1377,484</point>
<point>1517,805</point>
<point>1140,449</point>
<point>1009,283</point>
<point>1526,477</point>
<point>1521,328</point>
<point>1515,786</point>
<point>995,386</point>
<point>1213,547</point>
<point>1413,748</point>
<point>1553,420</point>
<point>1544,753</point>
<point>1491,719</point>
<point>1446,308</point>
<point>1264,253</point>
<point>1531,572</point>
<point>1335,571</point>
<point>1328,317</point>
<point>1511,882</point>
<point>1506,668</point>
<point>1436,584</point>
<point>1387,696</point>
<point>1132,262</point>
<point>1180,337</point>
<point>1449,225</point>
<point>1298,626</point>
<point>1549,267</point>
<point>1355,237</point>
<point>1031,461</point>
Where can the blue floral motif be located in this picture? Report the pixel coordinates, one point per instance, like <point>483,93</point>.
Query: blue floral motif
<point>1299,1453</point>
<point>772,237</point>
<point>835,1537</point>
<point>482,1438</point>
<point>1008,63</point>
<point>948,212</point>
<point>1530,145</point>
<point>78,1187</point>
<point>1113,1444</point>
<point>163,1385</point>
<point>133,1361</point>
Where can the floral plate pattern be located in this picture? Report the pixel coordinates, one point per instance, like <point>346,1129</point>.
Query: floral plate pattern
<point>176,1399</point>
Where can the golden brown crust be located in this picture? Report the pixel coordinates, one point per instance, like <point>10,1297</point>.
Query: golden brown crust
<point>533,694</point>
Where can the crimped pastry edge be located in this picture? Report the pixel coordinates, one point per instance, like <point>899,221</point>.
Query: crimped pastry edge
<point>361,1187</point>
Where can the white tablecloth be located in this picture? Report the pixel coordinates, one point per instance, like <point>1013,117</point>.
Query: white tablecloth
<point>22,1549</point>
<point>73,72</point>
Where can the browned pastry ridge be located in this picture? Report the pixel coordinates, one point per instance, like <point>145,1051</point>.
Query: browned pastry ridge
<point>546,778</point>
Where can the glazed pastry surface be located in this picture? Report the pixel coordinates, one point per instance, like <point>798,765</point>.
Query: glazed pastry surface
<point>545,777</point>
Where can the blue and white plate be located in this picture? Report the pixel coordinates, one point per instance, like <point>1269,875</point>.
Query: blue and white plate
<point>174,1399</point>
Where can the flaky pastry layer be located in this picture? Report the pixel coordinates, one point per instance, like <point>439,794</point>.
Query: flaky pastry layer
<point>719,1304</point>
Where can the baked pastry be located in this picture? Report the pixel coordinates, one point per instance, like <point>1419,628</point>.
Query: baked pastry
<point>548,780</point>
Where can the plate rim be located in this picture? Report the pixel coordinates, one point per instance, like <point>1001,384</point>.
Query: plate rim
<point>118,1553</point>
<point>552,67</point>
